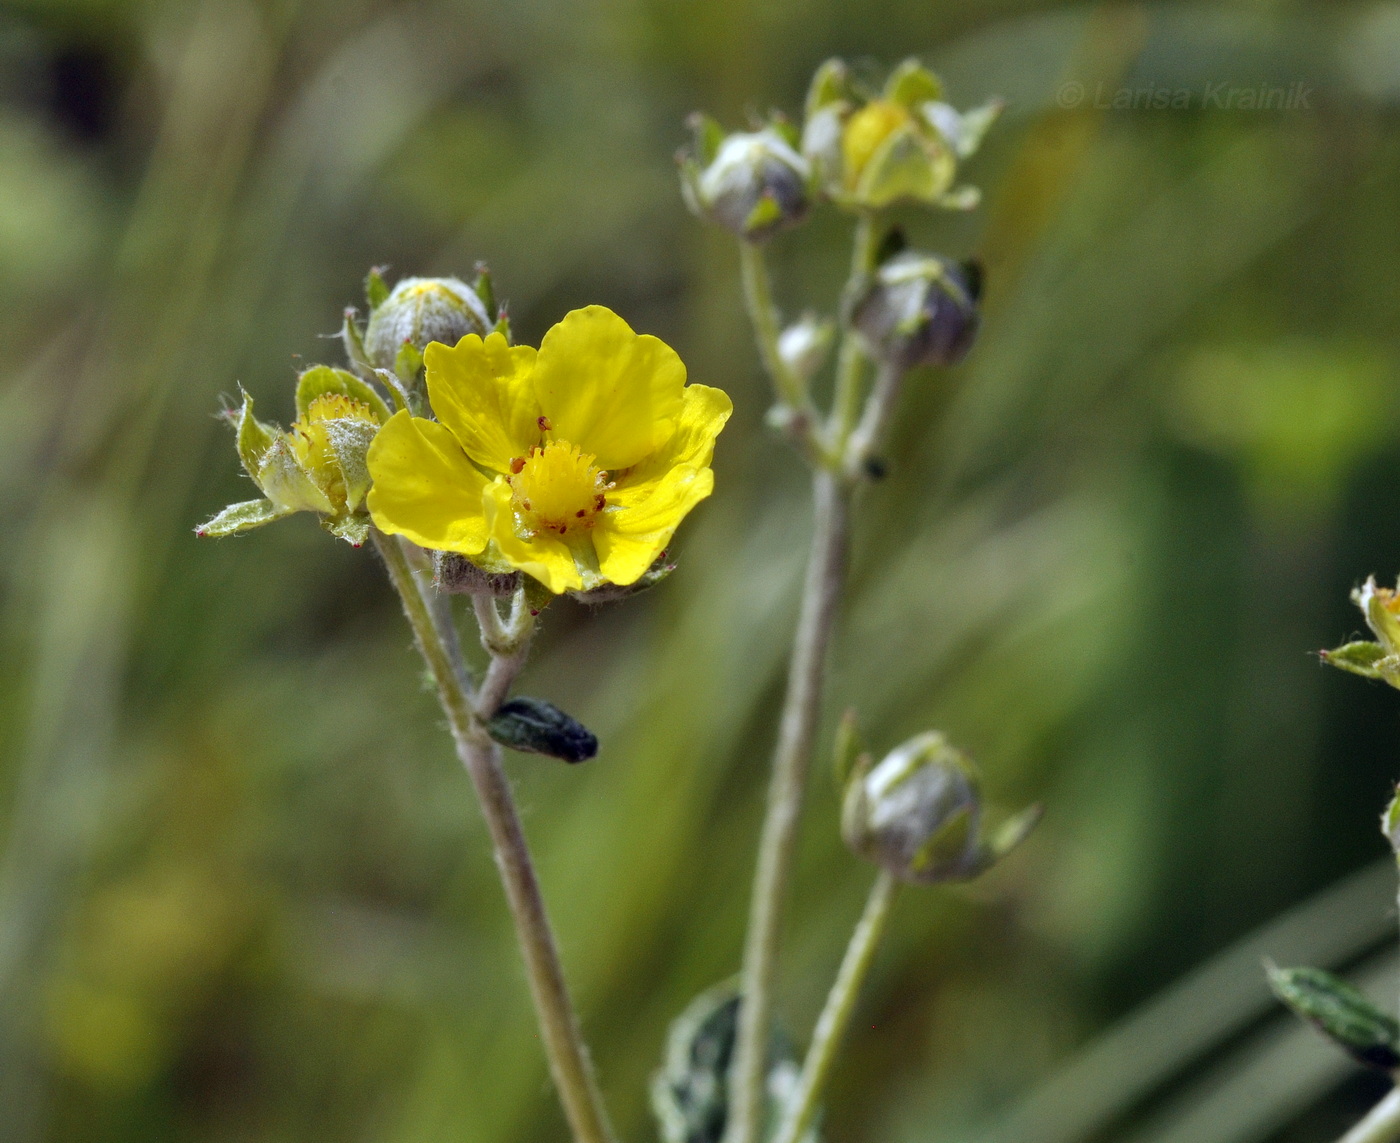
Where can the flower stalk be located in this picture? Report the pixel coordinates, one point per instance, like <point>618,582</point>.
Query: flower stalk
<point>840,1004</point>
<point>569,1063</point>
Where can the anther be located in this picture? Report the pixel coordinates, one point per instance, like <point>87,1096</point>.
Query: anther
<point>517,464</point>
<point>544,424</point>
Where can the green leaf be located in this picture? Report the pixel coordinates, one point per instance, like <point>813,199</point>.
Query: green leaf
<point>539,727</point>
<point>354,530</point>
<point>1341,1013</point>
<point>1360,658</point>
<point>253,438</point>
<point>321,379</point>
<point>912,84</point>
<point>376,291</point>
<point>690,1092</point>
<point>241,517</point>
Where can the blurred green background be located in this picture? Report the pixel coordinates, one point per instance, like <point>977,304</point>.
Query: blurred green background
<point>244,892</point>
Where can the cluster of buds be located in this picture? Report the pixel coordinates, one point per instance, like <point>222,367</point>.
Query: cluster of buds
<point>917,813</point>
<point>861,151</point>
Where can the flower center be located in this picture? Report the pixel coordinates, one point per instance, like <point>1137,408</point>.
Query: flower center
<point>866,130</point>
<point>558,488</point>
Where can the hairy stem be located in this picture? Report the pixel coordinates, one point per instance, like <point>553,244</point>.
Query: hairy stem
<point>801,708</point>
<point>1381,1125</point>
<point>840,1004</point>
<point>865,443</point>
<point>569,1063</point>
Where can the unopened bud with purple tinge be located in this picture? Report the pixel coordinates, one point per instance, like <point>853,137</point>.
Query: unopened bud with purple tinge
<point>919,309</point>
<point>753,183</point>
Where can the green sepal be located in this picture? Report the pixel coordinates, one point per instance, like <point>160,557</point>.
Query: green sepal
<point>539,727</point>
<point>708,136</point>
<point>399,394</point>
<point>537,596</point>
<point>320,379</point>
<point>1008,836</point>
<point>612,592</point>
<point>484,288</point>
<point>408,362</point>
<point>241,517</point>
<point>947,849</point>
<point>1360,658</point>
<point>831,83</point>
<point>912,84</point>
<point>353,338</point>
<point>286,483</point>
<point>766,213</point>
<point>354,530</point>
<point>502,325</point>
<point>376,289</point>
<point>253,438</point>
<point>1340,1012</point>
<point>1383,624</point>
<point>846,748</point>
<point>785,129</point>
<point>908,164</point>
<point>972,127</point>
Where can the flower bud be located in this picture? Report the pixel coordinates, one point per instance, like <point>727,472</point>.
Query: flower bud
<point>919,309</point>
<point>418,311</point>
<point>917,813</point>
<point>752,183</point>
<point>539,727</point>
<point>806,344</point>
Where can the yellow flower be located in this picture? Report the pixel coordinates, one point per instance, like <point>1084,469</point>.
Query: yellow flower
<point>574,464</point>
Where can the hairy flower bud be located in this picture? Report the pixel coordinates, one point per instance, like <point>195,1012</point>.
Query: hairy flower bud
<point>752,183</point>
<point>1373,660</point>
<point>422,310</point>
<point>917,813</point>
<point>919,309</point>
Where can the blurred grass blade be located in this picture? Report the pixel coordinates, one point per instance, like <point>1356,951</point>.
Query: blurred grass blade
<point>1148,1048</point>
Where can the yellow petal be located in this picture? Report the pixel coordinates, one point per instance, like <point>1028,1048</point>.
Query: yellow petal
<point>545,556</point>
<point>614,393</point>
<point>629,540</point>
<point>704,411</point>
<point>425,488</point>
<point>481,391</point>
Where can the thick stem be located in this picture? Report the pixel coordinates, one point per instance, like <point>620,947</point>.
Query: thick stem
<point>568,1057</point>
<point>821,595</point>
<point>1381,1125</point>
<point>840,1004</point>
